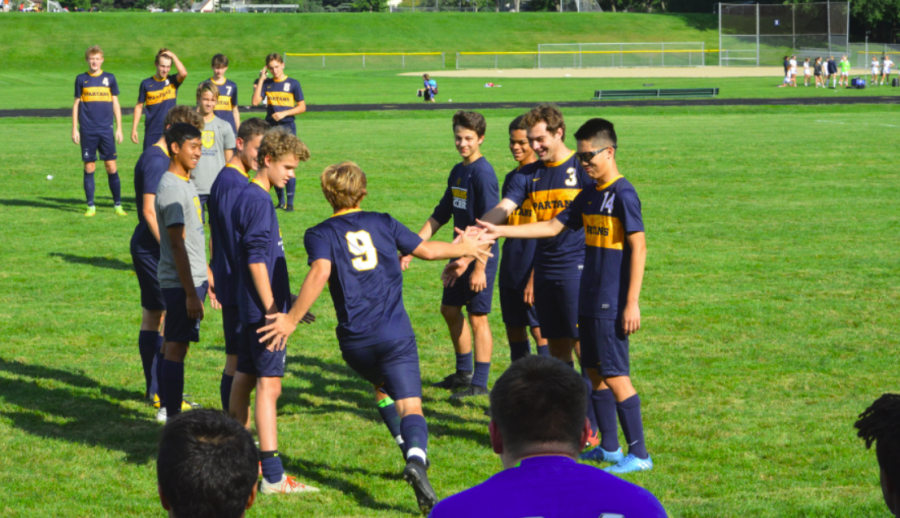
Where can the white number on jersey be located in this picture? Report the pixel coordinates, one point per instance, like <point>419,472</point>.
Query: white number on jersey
<point>572,181</point>
<point>361,246</point>
<point>607,203</point>
<point>287,87</point>
<point>228,90</point>
<point>105,81</point>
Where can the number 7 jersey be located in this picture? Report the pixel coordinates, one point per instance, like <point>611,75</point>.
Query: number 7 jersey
<point>366,282</point>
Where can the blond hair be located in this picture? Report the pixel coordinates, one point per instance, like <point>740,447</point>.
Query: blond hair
<point>344,185</point>
<point>184,114</point>
<point>278,143</point>
<point>207,86</point>
<point>93,49</point>
<point>160,55</point>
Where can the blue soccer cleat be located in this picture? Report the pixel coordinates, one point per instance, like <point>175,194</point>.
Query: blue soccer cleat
<point>600,455</point>
<point>629,464</point>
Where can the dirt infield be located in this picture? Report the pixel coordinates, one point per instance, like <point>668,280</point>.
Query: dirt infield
<point>660,72</point>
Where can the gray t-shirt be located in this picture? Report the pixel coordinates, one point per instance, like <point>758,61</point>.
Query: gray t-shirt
<point>177,203</point>
<point>217,137</point>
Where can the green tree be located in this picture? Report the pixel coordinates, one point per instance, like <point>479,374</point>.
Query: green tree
<point>372,6</point>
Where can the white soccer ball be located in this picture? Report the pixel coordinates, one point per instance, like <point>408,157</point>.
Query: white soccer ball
<point>49,176</point>
<point>449,100</point>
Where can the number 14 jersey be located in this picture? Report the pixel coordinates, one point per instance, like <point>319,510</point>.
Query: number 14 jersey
<point>366,283</point>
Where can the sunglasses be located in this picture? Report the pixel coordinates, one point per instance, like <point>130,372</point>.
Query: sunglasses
<point>587,156</point>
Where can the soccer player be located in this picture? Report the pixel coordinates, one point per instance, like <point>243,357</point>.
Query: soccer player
<point>263,289</point>
<point>222,195</point>
<point>876,69</point>
<point>227,107</point>
<point>218,143</point>
<point>818,72</point>
<point>880,424</point>
<point>608,309</point>
<point>157,96</point>
<point>96,107</point>
<point>886,65</point>
<point>793,70</point>
<point>832,71</point>
<point>354,252</point>
<point>517,260</point>
<point>284,100</point>
<point>472,190</point>
<point>207,466</point>
<point>183,273</point>
<point>537,425</point>
<point>151,166</point>
<point>845,72</point>
<point>807,72</point>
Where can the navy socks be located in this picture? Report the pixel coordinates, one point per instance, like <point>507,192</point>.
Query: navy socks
<point>482,369</point>
<point>519,350</point>
<point>89,188</point>
<point>543,350</point>
<point>589,410</point>
<point>630,415</point>
<point>272,469</point>
<point>291,187</point>
<point>604,404</point>
<point>147,349</point>
<point>280,193</point>
<point>414,430</point>
<point>391,418</point>
<point>464,362</point>
<point>225,390</point>
<point>173,386</point>
<point>115,187</point>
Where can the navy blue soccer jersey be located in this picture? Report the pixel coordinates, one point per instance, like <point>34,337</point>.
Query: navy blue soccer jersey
<point>151,166</point>
<point>257,240</point>
<point>222,197</point>
<point>471,191</point>
<point>551,187</point>
<point>158,97</point>
<point>366,283</point>
<point>96,92</point>
<point>517,259</point>
<point>281,95</point>
<point>607,213</point>
<point>228,101</point>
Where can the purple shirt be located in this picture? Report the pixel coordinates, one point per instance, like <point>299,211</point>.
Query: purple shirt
<point>552,487</point>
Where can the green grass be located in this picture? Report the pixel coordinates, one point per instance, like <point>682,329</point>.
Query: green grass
<point>769,310</point>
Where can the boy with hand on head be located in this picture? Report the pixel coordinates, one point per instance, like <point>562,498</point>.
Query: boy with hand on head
<point>263,289</point>
<point>284,100</point>
<point>96,107</point>
<point>151,166</point>
<point>517,260</point>
<point>183,274</point>
<point>157,96</point>
<point>227,107</point>
<point>608,310</point>
<point>222,196</point>
<point>471,191</point>
<point>354,252</point>
<point>218,143</point>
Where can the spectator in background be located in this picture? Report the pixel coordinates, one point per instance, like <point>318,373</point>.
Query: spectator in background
<point>832,71</point>
<point>817,71</point>
<point>880,424</point>
<point>207,465</point>
<point>845,72</point>
<point>430,89</point>
<point>886,65</point>
<point>793,64</point>
<point>807,71</point>
<point>538,427</point>
<point>876,68</point>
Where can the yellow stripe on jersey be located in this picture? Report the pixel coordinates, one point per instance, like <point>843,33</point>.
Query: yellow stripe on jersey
<point>460,193</point>
<point>280,99</point>
<point>224,103</point>
<point>548,204</point>
<point>96,94</point>
<point>603,231</point>
<point>160,96</point>
<point>523,215</point>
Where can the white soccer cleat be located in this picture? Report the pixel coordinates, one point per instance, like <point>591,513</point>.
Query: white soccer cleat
<point>286,485</point>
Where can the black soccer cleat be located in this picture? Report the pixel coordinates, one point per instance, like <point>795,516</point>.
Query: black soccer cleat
<point>459,379</point>
<point>471,391</point>
<point>416,475</point>
<point>289,208</point>
<point>280,205</point>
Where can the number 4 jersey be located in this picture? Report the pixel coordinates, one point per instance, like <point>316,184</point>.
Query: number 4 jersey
<point>366,283</point>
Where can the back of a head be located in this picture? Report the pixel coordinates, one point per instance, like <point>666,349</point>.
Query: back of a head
<point>207,465</point>
<point>880,424</point>
<point>344,185</point>
<point>186,115</point>
<point>252,127</point>
<point>599,132</point>
<point>548,114</point>
<point>539,400</point>
<point>279,143</point>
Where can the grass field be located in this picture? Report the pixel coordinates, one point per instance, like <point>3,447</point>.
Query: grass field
<point>769,306</point>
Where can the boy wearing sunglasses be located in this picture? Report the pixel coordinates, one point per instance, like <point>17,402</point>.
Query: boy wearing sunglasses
<point>608,310</point>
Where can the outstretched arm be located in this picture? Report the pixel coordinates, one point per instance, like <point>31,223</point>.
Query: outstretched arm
<point>537,230</point>
<point>428,230</point>
<point>469,244</point>
<point>282,325</point>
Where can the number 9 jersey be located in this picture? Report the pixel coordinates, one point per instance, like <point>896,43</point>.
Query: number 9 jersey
<point>366,283</point>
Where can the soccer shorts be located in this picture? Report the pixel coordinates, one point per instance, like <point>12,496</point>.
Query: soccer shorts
<point>231,325</point>
<point>150,139</point>
<point>253,357</point>
<point>394,363</point>
<point>515,312</point>
<point>291,127</point>
<point>556,302</point>
<point>94,141</point>
<point>145,263</point>
<point>461,295</point>
<point>604,346</point>
<point>179,327</point>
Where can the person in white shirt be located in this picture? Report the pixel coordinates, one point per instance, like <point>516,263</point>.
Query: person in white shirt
<point>793,63</point>
<point>886,65</point>
<point>807,72</point>
<point>876,68</point>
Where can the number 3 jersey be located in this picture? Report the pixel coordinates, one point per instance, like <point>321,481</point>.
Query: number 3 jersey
<point>366,283</point>
<point>257,240</point>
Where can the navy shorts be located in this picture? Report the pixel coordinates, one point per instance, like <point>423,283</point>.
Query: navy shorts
<point>231,325</point>
<point>291,127</point>
<point>150,139</point>
<point>180,328</point>
<point>604,346</point>
<point>94,141</point>
<point>253,357</point>
<point>460,295</point>
<point>394,363</point>
<point>515,312</point>
<point>556,302</point>
<point>145,263</point>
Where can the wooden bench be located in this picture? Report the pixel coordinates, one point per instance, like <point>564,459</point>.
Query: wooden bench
<point>669,92</point>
